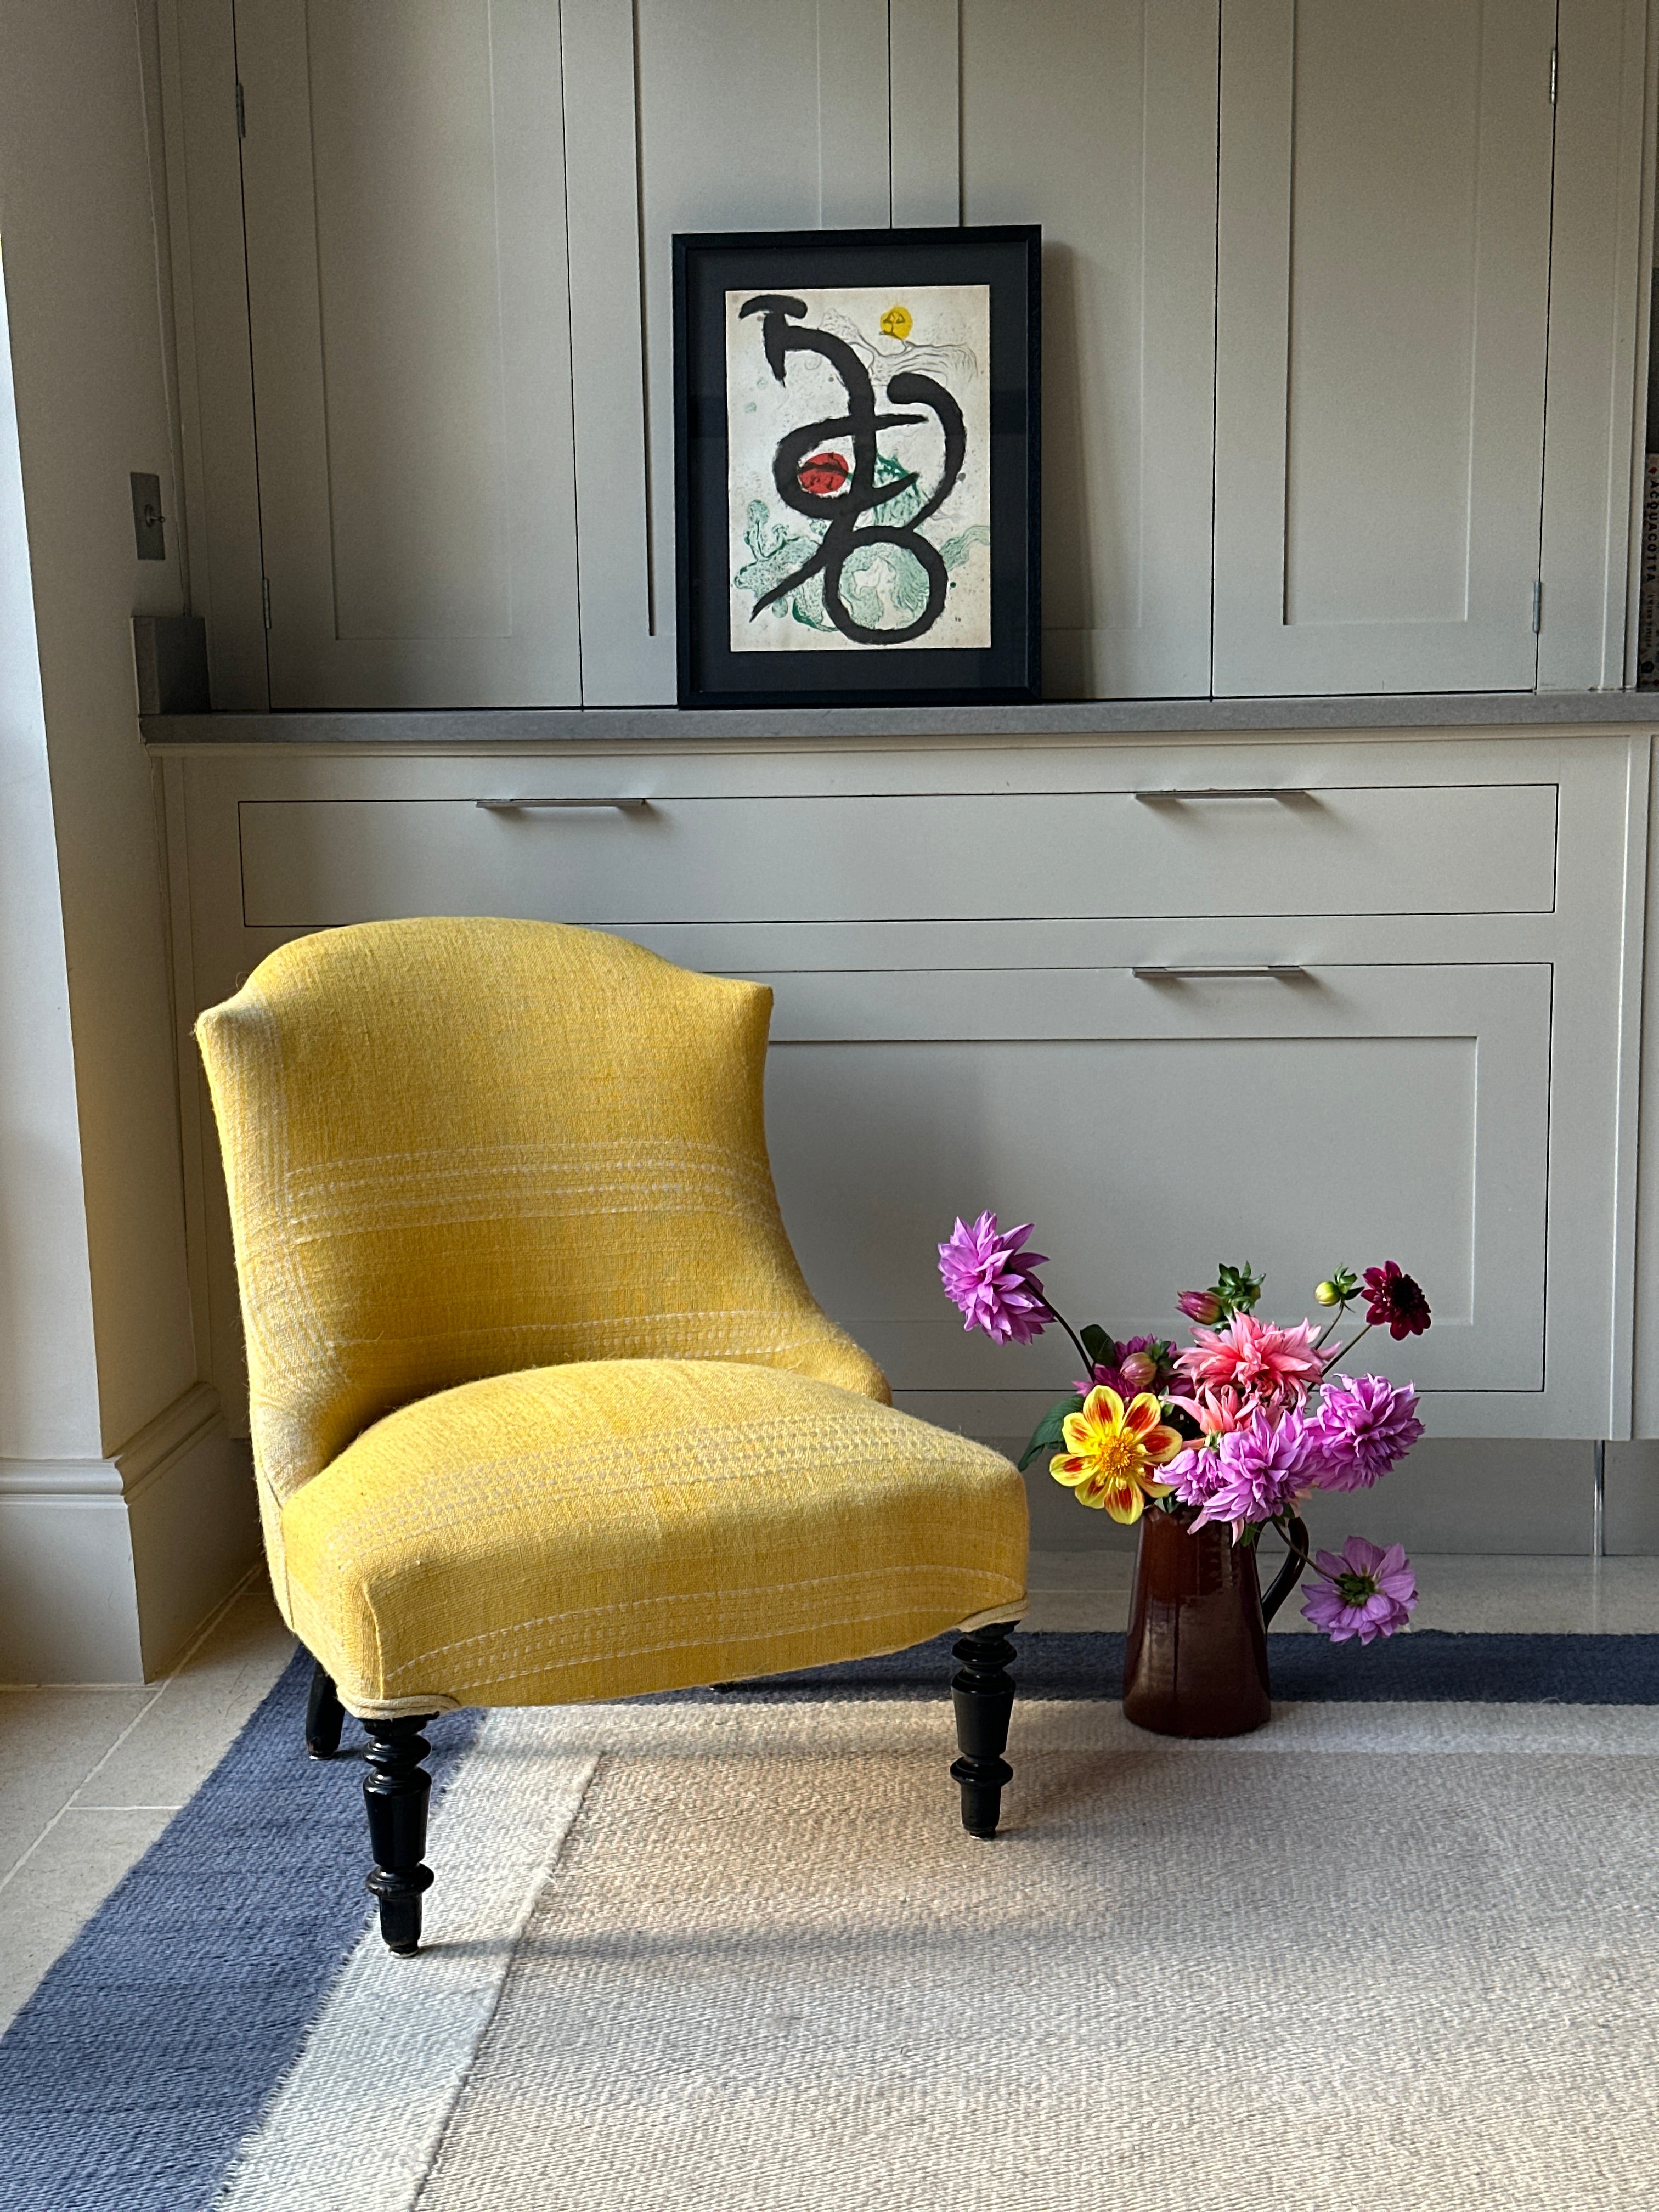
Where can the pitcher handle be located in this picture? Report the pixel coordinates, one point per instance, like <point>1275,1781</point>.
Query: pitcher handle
<point>1295,1566</point>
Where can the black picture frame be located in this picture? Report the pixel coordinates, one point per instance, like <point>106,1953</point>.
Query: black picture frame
<point>1008,260</point>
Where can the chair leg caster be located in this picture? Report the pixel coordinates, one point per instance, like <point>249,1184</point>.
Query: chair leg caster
<point>324,1715</point>
<point>396,1790</point>
<point>983,1695</point>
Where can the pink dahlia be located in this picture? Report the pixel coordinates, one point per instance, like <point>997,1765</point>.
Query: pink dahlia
<point>992,1283</point>
<point>1195,1475</point>
<point>1265,1465</point>
<point>1218,1413</point>
<point>1365,1425</point>
<point>1276,1366</point>
<point>1366,1592</point>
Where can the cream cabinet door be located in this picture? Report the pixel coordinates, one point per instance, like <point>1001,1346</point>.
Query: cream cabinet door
<point>724,116</point>
<point>1097,119</point>
<point>1151,1126</point>
<point>404,182</point>
<point>1382,311</point>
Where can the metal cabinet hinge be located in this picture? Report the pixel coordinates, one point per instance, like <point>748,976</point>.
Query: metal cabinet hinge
<point>264,598</point>
<point>1537,605</point>
<point>241,113</point>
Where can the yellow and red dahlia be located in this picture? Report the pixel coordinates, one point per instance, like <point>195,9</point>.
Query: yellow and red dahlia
<point>1111,1449</point>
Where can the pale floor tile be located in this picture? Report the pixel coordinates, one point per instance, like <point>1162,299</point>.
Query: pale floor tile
<point>50,1741</point>
<point>59,1887</point>
<point>89,1778</point>
<point>187,1730</point>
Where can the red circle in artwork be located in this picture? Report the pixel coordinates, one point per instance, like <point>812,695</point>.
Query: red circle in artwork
<point>823,474</point>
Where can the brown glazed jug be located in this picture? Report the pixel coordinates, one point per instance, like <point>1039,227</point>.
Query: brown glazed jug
<point>1195,1662</point>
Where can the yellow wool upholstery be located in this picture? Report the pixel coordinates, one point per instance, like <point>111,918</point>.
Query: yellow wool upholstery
<point>542,1407</point>
<point>614,1526</point>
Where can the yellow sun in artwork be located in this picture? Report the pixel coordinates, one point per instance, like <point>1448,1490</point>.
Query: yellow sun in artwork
<point>896,324</point>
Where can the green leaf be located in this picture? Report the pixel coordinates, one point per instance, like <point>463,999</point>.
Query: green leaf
<point>1050,1430</point>
<point>1238,1288</point>
<point>1098,1345</point>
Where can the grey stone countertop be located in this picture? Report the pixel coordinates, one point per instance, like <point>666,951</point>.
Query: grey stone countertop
<point>421,729</point>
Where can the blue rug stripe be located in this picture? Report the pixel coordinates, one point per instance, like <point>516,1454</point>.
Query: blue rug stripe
<point>130,2078</point>
<point>1428,1665</point>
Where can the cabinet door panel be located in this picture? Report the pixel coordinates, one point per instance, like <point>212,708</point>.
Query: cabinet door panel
<point>1097,119</point>
<point>1382,307</point>
<point>404,182</point>
<point>727,116</point>
<point>1087,1102</point>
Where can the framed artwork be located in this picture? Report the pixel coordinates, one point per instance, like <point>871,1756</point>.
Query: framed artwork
<point>856,448</point>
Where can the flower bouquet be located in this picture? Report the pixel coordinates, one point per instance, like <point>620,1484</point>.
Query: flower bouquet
<point>1207,1447</point>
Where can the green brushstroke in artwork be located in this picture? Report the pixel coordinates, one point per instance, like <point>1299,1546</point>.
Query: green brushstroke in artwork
<point>778,550</point>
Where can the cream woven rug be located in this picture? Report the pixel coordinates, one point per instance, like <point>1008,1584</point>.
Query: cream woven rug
<point>744,1959</point>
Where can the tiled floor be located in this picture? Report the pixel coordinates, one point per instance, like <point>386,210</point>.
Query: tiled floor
<point>89,1777</point>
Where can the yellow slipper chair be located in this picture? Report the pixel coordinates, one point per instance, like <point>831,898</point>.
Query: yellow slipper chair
<point>542,1409</point>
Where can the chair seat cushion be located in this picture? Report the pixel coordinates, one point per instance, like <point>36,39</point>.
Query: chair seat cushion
<point>607,1527</point>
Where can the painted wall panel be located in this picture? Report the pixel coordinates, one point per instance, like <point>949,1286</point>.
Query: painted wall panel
<point>1112,150</point>
<point>1381,308</point>
<point>405,190</point>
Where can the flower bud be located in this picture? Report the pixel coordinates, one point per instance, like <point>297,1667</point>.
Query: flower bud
<point>1327,1294</point>
<point>1201,1306</point>
<point>1139,1371</point>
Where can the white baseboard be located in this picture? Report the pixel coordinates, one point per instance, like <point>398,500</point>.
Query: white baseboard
<point>108,1565</point>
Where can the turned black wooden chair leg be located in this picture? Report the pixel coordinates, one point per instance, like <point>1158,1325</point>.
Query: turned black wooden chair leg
<point>324,1715</point>
<point>983,1694</point>
<point>395,1790</point>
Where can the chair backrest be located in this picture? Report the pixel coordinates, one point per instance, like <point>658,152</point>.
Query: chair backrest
<point>457,1148</point>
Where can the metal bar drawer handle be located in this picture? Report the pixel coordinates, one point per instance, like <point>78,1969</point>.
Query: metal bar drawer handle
<point>1284,971</point>
<point>524,805</point>
<point>1173,793</point>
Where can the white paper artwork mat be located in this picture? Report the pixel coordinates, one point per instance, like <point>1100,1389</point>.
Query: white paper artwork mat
<point>824,557</point>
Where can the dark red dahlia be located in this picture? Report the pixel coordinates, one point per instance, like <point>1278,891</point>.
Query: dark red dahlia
<point>1393,1301</point>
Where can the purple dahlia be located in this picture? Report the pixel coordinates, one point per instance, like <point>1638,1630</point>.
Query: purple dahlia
<point>1365,1424</point>
<point>992,1283</point>
<point>1262,1466</point>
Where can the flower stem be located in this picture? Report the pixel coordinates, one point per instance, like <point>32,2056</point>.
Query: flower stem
<point>1088,1363</point>
<point>1333,1323</point>
<point>1343,1350</point>
<point>1296,1549</point>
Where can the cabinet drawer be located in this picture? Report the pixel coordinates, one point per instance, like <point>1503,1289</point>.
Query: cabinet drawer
<point>1440,849</point>
<point>1372,1112</point>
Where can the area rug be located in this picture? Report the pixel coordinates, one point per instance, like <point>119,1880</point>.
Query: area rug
<point>732,1953</point>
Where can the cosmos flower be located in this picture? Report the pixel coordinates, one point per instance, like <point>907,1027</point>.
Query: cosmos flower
<point>992,1283</point>
<point>1365,1591</point>
<point>1111,1449</point>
